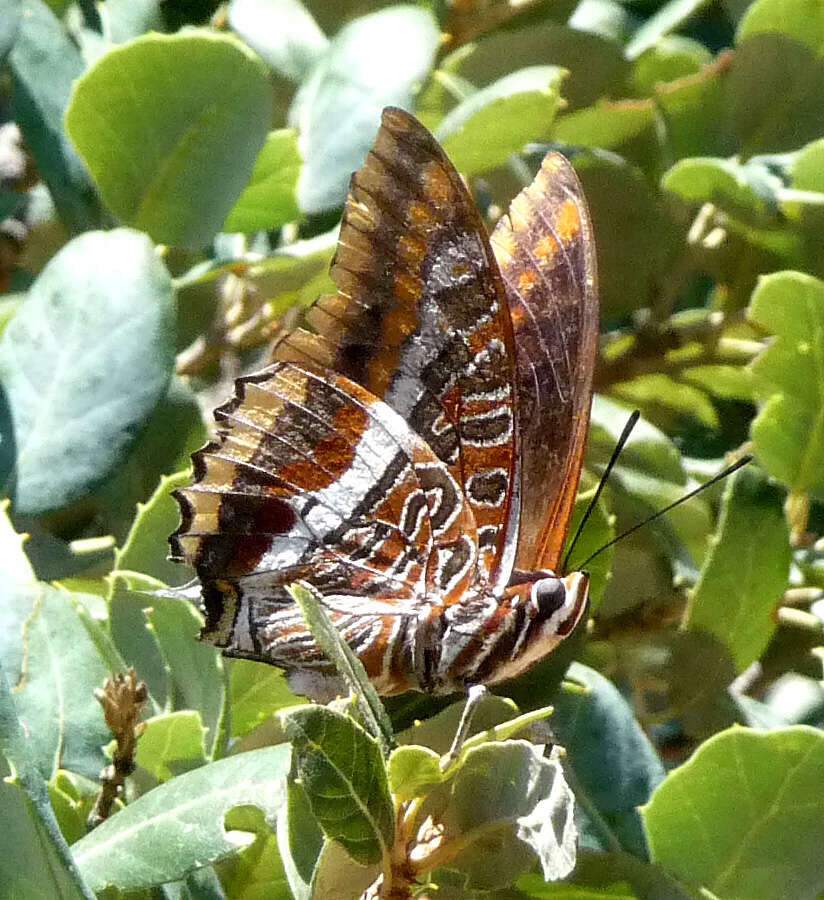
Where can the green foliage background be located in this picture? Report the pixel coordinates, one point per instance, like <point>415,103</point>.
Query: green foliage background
<point>171,178</point>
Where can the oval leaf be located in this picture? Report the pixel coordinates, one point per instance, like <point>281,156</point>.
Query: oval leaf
<point>44,63</point>
<point>67,657</point>
<point>283,32</point>
<point>746,571</point>
<point>413,770</point>
<point>342,771</point>
<point>506,800</point>
<point>375,61</point>
<point>88,356</point>
<point>743,816</point>
<point>269,199</point>
<point>614,762</point>
<point>198,109</point>
<point>493,123</point>
<point>788,433</point>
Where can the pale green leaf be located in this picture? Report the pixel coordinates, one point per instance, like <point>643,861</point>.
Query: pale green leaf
<point>499,120</point>
<point>198,111</point>
<point>746,570</point>
<point>90,353</point>
<point>742,817</point>
<point>270,200</point>
<point>179,826</point>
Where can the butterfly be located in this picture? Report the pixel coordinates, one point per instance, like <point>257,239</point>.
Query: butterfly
<point>413,455</point>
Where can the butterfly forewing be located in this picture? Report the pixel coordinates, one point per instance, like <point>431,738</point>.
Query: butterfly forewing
<point>546,254</point>
<point>420,320</point>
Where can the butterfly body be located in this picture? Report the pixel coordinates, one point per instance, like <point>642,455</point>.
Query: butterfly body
<point>382,459</point>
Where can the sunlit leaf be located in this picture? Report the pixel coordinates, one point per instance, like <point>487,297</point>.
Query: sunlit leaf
<point>342,771</point>
<point>179,826</point>
<point>763,845</point>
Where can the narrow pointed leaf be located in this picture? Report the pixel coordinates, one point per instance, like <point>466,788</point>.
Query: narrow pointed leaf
<point>179,826</point>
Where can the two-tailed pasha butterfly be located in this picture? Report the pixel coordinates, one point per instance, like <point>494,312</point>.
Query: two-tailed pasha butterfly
<point>414,458</point>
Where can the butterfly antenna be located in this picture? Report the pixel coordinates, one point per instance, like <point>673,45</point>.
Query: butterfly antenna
<point>632,421</point>
<point>702,487</point>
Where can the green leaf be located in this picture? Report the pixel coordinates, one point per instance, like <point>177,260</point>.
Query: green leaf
<point>625,211</point>
<point>90,353</point>
<point>668,59</point>
<point>746,571</point>
<point>256,692</point>
<point>20,594</point>
<point>802,20</point>
<point>257,871</point>
<point>147,543</point>
<point>605,124</point>
<point>334,868</point>
<point>270,199</point>
<point>709,180</point>
<point>438,732</point>
<point>776,78</point>
<point>788,433</point>
<point>375,61</point>
<point>10,13</point>
<point>175,430</point>
<point>493,55</point>
<point>665,19</point>
<point>508,802</point>
<point>763,845</point>
<point>35,858</point>
<point>300,841</point>
<point>598,532</point>
<point>123,20</point>
<point>612,876</point>
<point>44,64</point>
<point>726,382</point>
<point>282,32</point>
<point>199,107</point>
<point>613,762</point>
<point>342,771</point>
<point>172,744</point>
<point>196,669</point>
<point>653,392</point>
<point>347,664</point>
<point>68,656</point>
<point>649,476</point>
<point>604,17</point>
<point>179,826</point>
<point>688,676</point>
<point>499,120</point>
<point>412,771</point>
<point>137,643</point>
<point>72,798</point>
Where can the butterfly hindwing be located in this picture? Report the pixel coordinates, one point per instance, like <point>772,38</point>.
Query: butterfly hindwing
<point>314,479</point>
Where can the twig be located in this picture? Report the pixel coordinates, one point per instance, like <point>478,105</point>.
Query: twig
<point>123,699</point>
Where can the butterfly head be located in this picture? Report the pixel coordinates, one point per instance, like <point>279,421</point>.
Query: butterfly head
<point>554,604</point>
<point>558,602</point>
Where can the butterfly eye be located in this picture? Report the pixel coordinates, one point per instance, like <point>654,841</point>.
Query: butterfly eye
<point>549,595</point>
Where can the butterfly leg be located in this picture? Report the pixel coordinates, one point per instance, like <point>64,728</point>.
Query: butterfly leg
<point>476,694</point>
